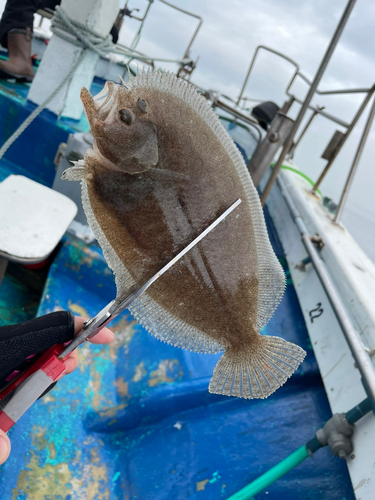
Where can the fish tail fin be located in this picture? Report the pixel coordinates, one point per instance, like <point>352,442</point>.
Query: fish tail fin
<point>256,373</point>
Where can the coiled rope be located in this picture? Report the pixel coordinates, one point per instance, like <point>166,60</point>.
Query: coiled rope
<point>78,34</point>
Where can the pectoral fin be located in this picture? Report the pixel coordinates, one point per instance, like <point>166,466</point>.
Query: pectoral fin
<point>75,173</point>
<point>147,155</point>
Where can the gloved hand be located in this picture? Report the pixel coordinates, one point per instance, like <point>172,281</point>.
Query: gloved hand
<point>19,344</point>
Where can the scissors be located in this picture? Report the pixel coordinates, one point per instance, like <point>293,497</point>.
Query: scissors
<point>20,394</point>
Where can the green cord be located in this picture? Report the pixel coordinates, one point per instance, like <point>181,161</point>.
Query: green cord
<point>272,475</point>
<point>286,167</point>
<point>296,457</point>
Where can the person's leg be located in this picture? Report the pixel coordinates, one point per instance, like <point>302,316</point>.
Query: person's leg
<point>18,14</point>
<point>16,28</point>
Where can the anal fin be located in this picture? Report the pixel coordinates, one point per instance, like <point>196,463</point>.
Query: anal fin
<point>250,374</point>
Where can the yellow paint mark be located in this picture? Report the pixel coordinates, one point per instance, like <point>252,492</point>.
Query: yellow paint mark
<point>201,484</point>
<point>97,396</point>
<point>41,442</point>
<point>48,399</point>
<point>122,387</point>
<point>95,384</point>
<point>140,372</point>
<point>160,375</point>
<point>37,482</point>
<point>76,308</point>
<point>88,259</point>
<point>124,331</point>
<point>111,412</point>
<point>73,391</point>
<point>41,481</point>
<point>98,473</point>
<point>85,356</point>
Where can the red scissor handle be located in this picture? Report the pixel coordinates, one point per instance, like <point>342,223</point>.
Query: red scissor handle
<point>30,385</point>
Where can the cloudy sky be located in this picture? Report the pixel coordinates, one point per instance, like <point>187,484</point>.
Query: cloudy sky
<point>226,42</point>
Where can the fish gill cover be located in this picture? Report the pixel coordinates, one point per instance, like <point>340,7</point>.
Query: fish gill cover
<point>162,169</point>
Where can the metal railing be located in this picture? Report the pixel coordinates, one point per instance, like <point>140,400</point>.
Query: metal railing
<point>186,64</point>
<point>297,73</point>
<point>316,110</point>
<point>359,352</point>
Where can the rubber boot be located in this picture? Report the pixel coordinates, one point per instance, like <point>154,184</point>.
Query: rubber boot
<point>18,66</point>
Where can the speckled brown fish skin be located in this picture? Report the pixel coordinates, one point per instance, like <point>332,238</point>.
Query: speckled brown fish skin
<point>156,178</point>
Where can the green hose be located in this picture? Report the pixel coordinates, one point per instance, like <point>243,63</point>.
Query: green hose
<point>287,167</point>
<point>352,416</point>
<point>272,475</point>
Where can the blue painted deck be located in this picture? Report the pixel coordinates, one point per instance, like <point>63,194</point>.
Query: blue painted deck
<point>136,421</point>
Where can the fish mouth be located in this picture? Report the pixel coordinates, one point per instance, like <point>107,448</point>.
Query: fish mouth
<point>105,100</point>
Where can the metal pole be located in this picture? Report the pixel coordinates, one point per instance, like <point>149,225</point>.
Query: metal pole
<point>253,61</point>
<point>313,115</point>
<point>347,133</point>
<point>309,96</point>
<point>355,163</point>
<point>186,55</point>
<point>247,75</point>
<point>236,112</point>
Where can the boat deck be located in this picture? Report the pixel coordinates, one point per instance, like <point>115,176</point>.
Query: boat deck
<point>136,421</point>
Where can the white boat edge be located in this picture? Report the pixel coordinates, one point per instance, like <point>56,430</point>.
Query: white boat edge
<point>353,275</point>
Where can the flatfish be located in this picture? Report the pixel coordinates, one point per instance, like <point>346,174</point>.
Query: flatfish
<point>161,170</point>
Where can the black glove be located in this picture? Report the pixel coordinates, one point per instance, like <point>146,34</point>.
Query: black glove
<point>18,342</point>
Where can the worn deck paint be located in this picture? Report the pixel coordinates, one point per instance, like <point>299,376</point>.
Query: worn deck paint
<point>136,421</point>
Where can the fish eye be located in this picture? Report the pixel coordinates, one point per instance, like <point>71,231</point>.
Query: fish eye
<point>142,105</point>
<point>126,116</point>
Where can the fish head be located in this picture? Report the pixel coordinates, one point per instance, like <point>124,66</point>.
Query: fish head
<point>125,138</point>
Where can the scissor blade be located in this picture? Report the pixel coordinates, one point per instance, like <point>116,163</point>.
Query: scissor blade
<point>139,291</point>
<point>191,245</point>
<point>94,325</point>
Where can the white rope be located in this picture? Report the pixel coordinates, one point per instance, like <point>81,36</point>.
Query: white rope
<point>84,37</point>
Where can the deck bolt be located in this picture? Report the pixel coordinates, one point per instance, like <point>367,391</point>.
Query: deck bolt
<point>273,137</point>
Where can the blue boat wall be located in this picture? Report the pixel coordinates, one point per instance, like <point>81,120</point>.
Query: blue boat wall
<point>135,420</point>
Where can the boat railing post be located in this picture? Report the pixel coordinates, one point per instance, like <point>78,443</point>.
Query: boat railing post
<point>262,157</point>
<point>268,49</point>
<point>345,137</point>
<point>309,121</point>
<point>310,94</point>
<point>355,163</point>
<point>200,19</point>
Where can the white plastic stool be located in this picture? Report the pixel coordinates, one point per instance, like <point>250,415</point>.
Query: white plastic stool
<point>33,219</point>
